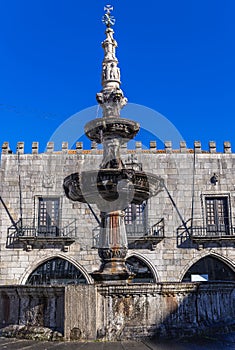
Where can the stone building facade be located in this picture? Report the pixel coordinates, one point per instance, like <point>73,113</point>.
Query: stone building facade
<point>185,233</point>
<point>180,231</point>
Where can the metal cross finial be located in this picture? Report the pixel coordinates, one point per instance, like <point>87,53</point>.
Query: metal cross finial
<point>108,8</point>
<point>108,19</point>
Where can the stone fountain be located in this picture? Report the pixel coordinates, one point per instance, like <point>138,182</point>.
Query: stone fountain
<point>113,186</point>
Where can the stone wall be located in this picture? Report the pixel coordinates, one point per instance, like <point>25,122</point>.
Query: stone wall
<point>118,312</point>
<point>161,310</point>
<point>32,306</point>
<point>42,174</point>
<point>81,313</point>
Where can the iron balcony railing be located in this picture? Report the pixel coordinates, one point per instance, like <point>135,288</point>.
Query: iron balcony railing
<point>158,229</point>
<point>198,231</point>
<point>27,228</point>
<point>137,232</point>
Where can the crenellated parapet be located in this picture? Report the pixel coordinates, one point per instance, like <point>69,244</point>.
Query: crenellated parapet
<point>139,147</point>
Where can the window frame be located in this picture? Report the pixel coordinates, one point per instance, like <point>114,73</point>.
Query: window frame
<point>43,229</point>
<point>136,221</point>
<point>206,197</point>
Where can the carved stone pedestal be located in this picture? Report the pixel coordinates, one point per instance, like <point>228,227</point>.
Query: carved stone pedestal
<point>113,269</point>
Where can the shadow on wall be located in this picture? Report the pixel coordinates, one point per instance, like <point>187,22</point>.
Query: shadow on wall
<point>118,312</point>
<point>189,237</point>
<point>206,311</point>
<point>167,311</point>
<point>32,306</point>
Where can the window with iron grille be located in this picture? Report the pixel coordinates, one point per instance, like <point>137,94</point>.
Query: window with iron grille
<point>134,213</point>
<point>48,216</point>
<point>56,271</point>
<point>217,214</point>
<point>136,219</point>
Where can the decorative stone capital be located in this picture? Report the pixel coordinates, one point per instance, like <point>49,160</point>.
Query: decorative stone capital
<point>111,101</point>
<point>107,254</point>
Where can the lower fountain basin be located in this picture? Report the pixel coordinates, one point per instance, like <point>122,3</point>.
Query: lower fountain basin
<point>122,186</point>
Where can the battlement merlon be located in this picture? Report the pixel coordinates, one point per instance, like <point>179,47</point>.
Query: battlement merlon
<point>20,148</point>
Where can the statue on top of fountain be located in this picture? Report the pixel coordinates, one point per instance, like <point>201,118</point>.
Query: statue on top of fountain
<point>111,97</point>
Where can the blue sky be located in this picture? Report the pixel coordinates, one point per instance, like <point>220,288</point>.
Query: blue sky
<point>176,57</point>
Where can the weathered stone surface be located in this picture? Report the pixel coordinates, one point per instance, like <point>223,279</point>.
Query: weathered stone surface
<point>170,259</point>
<point>13,262</point>
<point>30,332</point>
<point>118,312</point>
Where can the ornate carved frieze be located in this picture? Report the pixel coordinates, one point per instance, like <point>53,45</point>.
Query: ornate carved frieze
<point>107,254</point>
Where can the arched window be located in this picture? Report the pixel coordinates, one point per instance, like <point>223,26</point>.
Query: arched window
<point>209,268</point>
<point>142,272</point>
<point>56,271</point>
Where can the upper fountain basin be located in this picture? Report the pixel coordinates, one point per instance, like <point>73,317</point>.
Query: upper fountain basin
<point>99,128</point>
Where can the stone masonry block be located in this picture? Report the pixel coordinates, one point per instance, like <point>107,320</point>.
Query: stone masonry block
<point>168,146</point>
<point>212,147</point>
<point>35,146</point>
<point>197,146</point>
<point>20,147</point>
<point>227,147</point>
<point>183,147</point>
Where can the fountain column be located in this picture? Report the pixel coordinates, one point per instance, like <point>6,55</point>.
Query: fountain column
<point>112,240</point>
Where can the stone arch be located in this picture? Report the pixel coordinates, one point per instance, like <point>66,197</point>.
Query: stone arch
<point>35,266</point>
<point>147,263</point>
<point>224,260</point>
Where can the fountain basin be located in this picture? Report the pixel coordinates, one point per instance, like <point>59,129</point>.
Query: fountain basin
<point>99,128</point>
<point>122,186</point>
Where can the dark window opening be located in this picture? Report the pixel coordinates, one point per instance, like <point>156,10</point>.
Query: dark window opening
<point>142,272</point>
<point>48,216</point>
<point>209,269</point>
<point>217,214</point>
<point>136,219</point>
<point>56,272</point>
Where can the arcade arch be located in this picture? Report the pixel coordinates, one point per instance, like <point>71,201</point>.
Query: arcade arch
<point>142,268</point>
<point>57,271</point>
<point>209,268</point>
